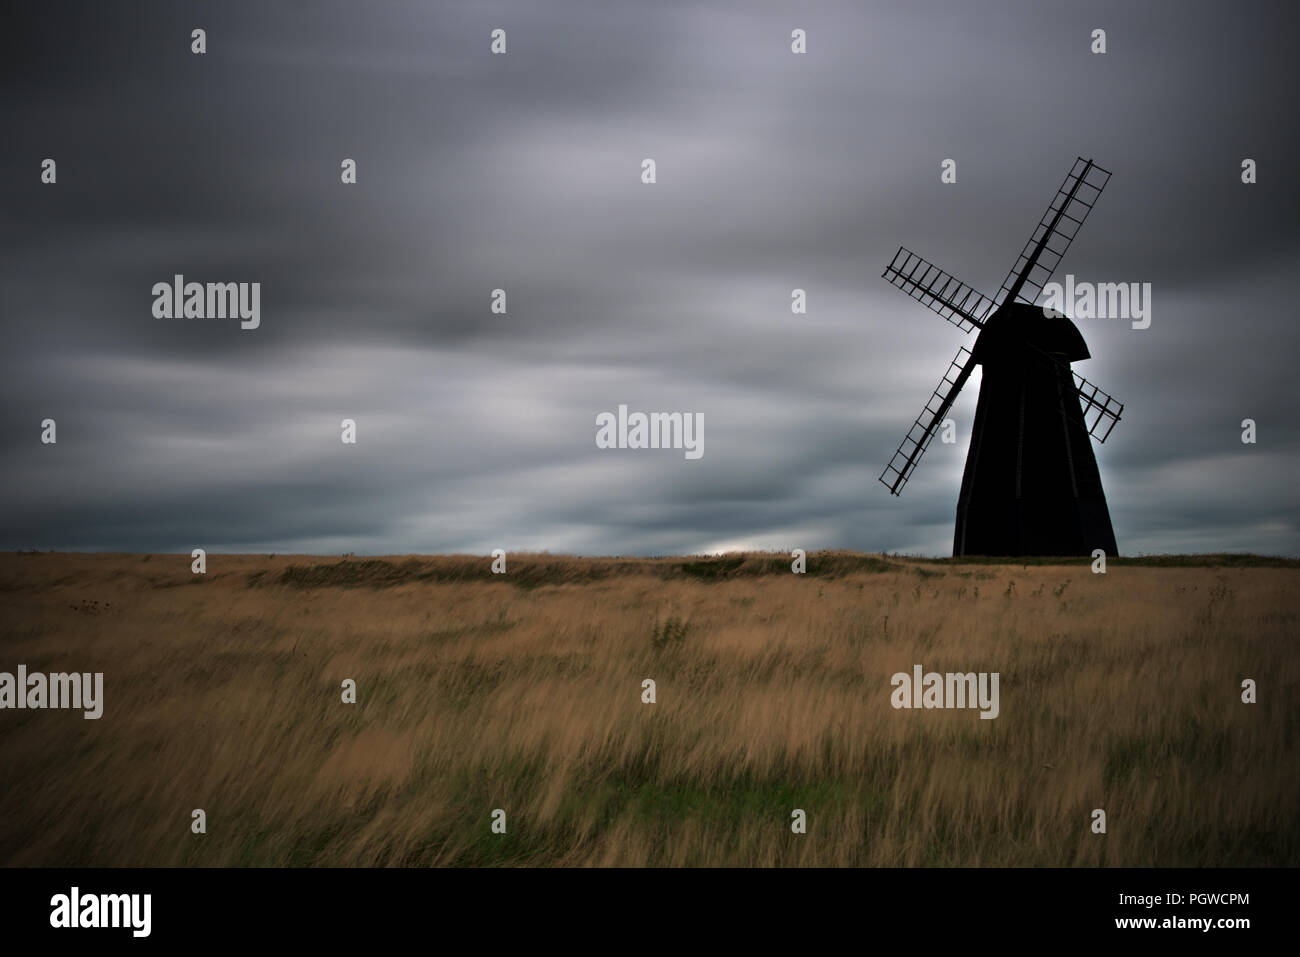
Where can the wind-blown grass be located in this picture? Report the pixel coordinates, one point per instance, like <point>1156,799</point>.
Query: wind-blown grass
<point>524,692</point>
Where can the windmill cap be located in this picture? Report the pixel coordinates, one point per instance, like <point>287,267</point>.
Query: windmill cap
<point>1017,324</point>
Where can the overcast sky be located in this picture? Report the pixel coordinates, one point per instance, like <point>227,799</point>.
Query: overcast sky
<point>523,171</point>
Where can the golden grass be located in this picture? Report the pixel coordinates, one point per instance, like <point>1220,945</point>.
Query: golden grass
<point>523,692</point>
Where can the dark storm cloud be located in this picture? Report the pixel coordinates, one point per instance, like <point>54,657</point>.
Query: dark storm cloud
<point>475,172</point>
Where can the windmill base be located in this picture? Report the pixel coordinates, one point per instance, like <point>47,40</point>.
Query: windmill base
<point>1031,484</point>
<point>1022,528</point>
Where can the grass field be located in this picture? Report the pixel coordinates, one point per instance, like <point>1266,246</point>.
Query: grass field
<point>523,692</point>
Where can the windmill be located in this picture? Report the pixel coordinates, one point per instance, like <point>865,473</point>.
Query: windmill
<point>1031,484</point>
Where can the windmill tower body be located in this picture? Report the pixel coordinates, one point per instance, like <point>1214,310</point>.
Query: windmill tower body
<point>1031,484</point>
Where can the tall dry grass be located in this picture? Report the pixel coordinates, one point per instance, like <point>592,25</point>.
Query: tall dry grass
<point>523,692</point>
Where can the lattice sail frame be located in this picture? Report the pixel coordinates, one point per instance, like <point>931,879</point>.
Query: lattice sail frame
<point>941,292</point>
<point>914,444</point>
<point>1106,411</point>
<point>1054,233</point>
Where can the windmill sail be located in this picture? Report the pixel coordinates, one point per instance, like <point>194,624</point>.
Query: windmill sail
<point>918,437</point>
<point>1100,411</point>
<point>935,289</point>
<point>1054,232</point>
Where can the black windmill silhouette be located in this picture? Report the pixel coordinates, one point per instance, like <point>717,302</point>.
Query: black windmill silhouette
<point>1031,484</point>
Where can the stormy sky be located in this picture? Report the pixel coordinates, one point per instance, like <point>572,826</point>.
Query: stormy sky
<point>523,172</point>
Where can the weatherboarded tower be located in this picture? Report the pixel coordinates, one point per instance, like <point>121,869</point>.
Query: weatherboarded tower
<point>1031,485</point>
